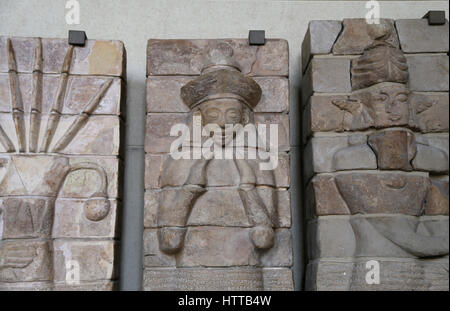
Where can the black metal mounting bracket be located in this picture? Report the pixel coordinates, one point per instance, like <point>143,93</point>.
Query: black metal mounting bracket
<point>257,37</point>
<point>435,18</point>
<point>77,37</point>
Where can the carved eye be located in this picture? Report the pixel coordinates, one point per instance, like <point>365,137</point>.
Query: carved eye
<point>212,114</point>
<point>402,97</point>
<point>234,114</point>
<point>382,97</point>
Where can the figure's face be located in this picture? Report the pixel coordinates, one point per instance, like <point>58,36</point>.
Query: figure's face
<point>390,105</point>
<point>222,112</point>
<point>395,103</point>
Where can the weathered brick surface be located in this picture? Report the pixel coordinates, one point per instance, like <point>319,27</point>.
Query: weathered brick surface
<point>60,136</point>
<point>428,73</point>
<point>217,224</point>
<point>375,153</point>
<point>103,58</point>
<point>189,57</point>
<point>358,35</point>
<point>416,36</point>
<point>319,39</point>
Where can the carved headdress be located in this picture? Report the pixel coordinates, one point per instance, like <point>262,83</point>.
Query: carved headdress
<point>381,61</point>
<point>221,78</point>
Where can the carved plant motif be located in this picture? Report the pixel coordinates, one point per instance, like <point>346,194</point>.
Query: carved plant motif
<point>31,217</point>
<point>36,106</point>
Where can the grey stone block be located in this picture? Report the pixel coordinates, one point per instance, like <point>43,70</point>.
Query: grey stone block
<point>326,75</point>
<point>344,152</point>
<point>416,36</point>
<point>432,153</point>
<point>319,39</point>
<point>428,73</point>
<point>330,237</point>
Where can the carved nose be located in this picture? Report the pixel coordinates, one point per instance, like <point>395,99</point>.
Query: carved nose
<point>390,105</point>
<point>221,122</point>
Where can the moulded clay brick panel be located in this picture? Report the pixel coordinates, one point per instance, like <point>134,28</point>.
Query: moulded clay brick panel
<point>376,157</point>
<point>80,89</point>
<point>163,94</point>
<point>187,57</point>
<point>218,242</point>
<point>59,172</point>
<point>95,58</point>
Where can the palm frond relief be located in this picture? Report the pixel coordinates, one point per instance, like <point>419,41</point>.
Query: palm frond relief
<point>54,117</point>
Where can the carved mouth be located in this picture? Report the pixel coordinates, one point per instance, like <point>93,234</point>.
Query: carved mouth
<point>395,117</point>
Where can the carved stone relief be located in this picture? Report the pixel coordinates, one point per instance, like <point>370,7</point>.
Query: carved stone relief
<point>59,136</point>
<point>378,194</point>
<point>217,223</point>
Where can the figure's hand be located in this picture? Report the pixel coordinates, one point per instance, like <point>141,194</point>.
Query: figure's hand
<point>263,237</point>
<point>171,239</point>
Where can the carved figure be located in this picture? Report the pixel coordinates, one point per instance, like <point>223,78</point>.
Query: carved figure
<point>217,194</point>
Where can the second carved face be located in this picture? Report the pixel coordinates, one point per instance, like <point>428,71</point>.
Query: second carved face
<point>387,103</point>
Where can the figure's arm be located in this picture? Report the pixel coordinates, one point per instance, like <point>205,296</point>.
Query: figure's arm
<point>404,233</point>
<point>175,207</point>
<point>262,234</point>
